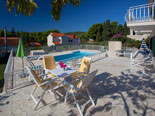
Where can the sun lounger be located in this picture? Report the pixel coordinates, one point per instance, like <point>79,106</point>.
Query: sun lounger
<point>141,61</point>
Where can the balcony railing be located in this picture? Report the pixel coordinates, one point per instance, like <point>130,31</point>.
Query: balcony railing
<point>141,13</point>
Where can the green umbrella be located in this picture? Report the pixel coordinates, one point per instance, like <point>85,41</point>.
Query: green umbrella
<point>20,51</point>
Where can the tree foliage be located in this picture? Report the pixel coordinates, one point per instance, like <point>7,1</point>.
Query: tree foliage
<point>27,7</point>
<point>1,33</point>
<point>110,31</point>
<point>94,29</point>
<point>98,37</point>
<point>105,31</point>
<point>28,37</point>
<point>126,29</point>
<point>127,42</point>
<point>13,33</point>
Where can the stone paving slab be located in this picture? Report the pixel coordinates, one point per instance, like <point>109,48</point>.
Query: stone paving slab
<point>118,90</point>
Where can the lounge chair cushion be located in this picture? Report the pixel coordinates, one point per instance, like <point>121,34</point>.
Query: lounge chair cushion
<point>49,62</point>
<point>84,68</point>
<point>54,84</point>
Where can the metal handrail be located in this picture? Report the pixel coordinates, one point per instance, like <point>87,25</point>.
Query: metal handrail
<point>138,13</point>
<point>141,5</point>
<point>8,70</point>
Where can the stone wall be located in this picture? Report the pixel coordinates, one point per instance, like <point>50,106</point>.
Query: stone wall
<point>138,37</point>
<point>114,46</point>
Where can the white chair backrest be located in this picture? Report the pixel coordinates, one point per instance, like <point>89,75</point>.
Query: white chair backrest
<point>88,79</point>
<point>85,65</point>
<point>49,62</point>
<point>30,62</point>
<point>38,69</point>
<point>33,75</point>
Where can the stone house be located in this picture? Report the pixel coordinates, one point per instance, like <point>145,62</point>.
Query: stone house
<point>62,39</point>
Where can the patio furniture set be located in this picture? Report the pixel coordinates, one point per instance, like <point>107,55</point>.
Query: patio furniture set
<point>73,81</point>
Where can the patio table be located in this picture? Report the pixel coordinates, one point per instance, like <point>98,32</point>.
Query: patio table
<point>60,72</point>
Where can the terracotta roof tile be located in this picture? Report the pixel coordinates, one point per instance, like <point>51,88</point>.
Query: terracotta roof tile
<point>35,43</point>
<point>57,43</point>
<point>62,34</point>
<point>57,34</point>
<point>72,36</point>
<point>11,41</point>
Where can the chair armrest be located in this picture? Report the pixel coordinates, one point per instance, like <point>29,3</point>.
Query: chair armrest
<point>70,85</point>
<point>42,75</point>
<point>81,73</point>
<point>47,70</point>
<point>46,82</point>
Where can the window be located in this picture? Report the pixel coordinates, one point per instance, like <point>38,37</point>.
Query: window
<point>70,40</point>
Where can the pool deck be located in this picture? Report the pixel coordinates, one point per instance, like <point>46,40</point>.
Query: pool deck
<point>118,90</point>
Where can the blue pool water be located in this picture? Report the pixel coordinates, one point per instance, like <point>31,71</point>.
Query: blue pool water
<point>73,55</point>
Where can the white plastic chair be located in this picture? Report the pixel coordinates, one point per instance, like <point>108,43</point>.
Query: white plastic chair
<point>75,88</point>
<point>44,85</point>
<point>84,67</point>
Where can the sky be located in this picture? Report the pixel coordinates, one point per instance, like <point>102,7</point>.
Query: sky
<point>73,19</point>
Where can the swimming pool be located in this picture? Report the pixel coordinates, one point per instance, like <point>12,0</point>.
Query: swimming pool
<point>73,55</point>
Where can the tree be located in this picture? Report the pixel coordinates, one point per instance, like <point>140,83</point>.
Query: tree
<point>38,37</point>
<point>27,7</point>
<point>83,37</point>
<point>13,33</point>
<point>114,25</point>
<point>18,34</point>
<point>55,31</point>
<point>107,30</point>
<point>120,29</point>
<point>46,33</point>
<point>1,33</point>
<point>32,37</point>
<point>126,30</point>
<point>26,38</point>
<point>98,37</point>
<point>94,29</point>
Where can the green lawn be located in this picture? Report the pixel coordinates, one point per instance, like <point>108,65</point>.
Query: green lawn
<point>2,68</point>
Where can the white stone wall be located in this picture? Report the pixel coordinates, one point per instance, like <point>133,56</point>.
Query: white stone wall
<point>138,37</point>
<point>114,46</point>
<point>49,40</point>
<point>63,40</point>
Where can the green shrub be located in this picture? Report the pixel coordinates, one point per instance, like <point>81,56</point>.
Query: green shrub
<point>2,68</point>
<point>127,42</point>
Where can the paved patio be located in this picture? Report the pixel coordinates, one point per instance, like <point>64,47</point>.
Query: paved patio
<point>118,90</point>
